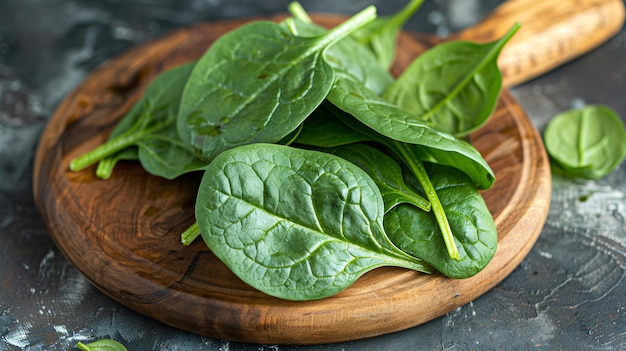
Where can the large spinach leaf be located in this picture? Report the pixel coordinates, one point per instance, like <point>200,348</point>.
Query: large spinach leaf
<point>257,83</point>
<point>293,223</point>
<point>418,233</point>
<point>589,142</point>
<point>380,36</point>
<point>454,85</point>
<point>150,126</point>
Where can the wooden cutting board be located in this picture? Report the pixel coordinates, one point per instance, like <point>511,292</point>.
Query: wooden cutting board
<point>123,234</point>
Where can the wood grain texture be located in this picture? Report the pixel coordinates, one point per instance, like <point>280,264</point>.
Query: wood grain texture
<point>553,32</point>
<point>123,234</point>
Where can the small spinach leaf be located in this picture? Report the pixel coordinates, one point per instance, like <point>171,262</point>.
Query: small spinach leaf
<point>589,142</point>
<point>454,85</point>
<point>380,36</point>
<point>295,224</point>
<point>257,83</point>
<point>386,173</point>
<point>150,126</point>
<point>102,345</point>
<point>418,233</point>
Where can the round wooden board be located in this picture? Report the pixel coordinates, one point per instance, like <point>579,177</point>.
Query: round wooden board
<point>123,234</point>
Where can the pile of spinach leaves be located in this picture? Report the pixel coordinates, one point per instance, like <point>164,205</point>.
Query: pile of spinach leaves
<point>318,164</point>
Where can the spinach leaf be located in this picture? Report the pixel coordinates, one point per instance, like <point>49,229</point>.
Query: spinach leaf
<point>323,130</point>
<point>150,126</point>
<point>394,123</point>
<point>102,345</point>
<point>386,173</point>
<point>257,83</point>
<point>589,142</point>
<point>454,85</point>
<point>291,137</point>
<point>400,130</point>
<point>295,224</point>
<point>380,36</point>
<point>167,156</point>
<point>347,55</point>
<point>418,233</point>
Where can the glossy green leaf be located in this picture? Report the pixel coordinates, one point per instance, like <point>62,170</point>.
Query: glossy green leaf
<point>295,224</point>
<point>151,127</point>
<point>257,83</point>
<point>390,121</point>
<point>291,137</point>
<point>390,181</point>
<point>589,142</point>
<point>102,345</point>
<point>386,173</point>
<point>347,55</point>
<point>393,191</point>
<point>380,36</point>
<point>472,225</point>
<point>405,135</point>
<point>167,156</point>
<point>323,130</point>
<point>454,85</point>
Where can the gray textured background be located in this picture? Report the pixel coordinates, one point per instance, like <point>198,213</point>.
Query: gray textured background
<point>568,294</point>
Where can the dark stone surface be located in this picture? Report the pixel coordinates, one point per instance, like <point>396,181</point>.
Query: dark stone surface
<point>568,294</point>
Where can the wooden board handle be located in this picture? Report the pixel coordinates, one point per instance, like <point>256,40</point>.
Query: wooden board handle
<point>553,32</point>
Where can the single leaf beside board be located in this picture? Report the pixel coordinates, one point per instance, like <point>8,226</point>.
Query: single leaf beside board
<point>102,345</point>
<point>589,142</point>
